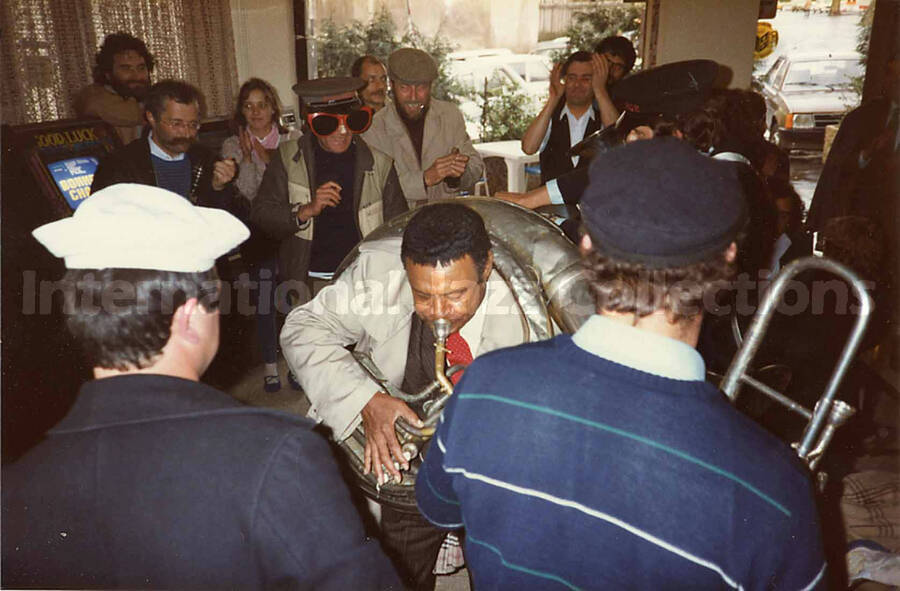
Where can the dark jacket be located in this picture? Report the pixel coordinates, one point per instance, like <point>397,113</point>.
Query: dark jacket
<point>555,159</point>
<point>132,164</point>
<point>290,180</point>
<point>848,186</point>
<point>158,482</point>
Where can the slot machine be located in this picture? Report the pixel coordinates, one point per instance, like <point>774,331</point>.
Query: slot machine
<point>47,169</point>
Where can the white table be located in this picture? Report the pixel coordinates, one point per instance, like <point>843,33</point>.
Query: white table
<point>516,159</point>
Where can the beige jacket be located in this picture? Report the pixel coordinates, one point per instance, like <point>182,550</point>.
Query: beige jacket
<point>125,114</point>
<point>445,129</point>
<point>289,181</point>
<point>371,305</point>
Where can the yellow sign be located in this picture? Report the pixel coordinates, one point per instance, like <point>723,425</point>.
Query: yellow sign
<point>766,40</point>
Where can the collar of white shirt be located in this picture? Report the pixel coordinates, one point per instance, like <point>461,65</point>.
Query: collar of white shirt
<point>640,349</point>
<point>588,113</point>
<point>159,153</point>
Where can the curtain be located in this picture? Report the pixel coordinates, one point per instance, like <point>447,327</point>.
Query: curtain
<point>48,49</point>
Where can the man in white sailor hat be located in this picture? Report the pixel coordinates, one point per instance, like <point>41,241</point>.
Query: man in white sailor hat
<point>154,479</point>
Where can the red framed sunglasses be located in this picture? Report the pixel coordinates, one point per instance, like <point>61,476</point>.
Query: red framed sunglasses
<point>324,124</point>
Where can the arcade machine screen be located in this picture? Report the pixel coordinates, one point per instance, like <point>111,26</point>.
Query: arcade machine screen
<point>47,169</point>
<point>62,156</point>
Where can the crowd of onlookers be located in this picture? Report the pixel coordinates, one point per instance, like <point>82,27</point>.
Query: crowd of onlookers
<point>603,459</point>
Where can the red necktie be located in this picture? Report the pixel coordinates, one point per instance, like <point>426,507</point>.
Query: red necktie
<point>458,354</point>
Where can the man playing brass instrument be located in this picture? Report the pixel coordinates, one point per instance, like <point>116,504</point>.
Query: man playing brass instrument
<point>384,303</point>
<point>603,460</point>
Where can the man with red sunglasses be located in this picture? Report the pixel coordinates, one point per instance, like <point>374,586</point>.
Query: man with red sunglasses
<point>325,192</point>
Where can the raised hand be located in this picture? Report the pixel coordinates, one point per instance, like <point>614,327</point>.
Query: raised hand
<point>246,143</point>
<point>599,73</point>
<point>327,195</point>
<point>557,88</point>
<point>223,172</point>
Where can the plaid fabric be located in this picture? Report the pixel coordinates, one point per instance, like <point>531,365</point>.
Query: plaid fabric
<point>450,558</point>
<point>870,505</point>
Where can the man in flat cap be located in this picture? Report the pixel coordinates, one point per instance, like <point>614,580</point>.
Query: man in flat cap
<point>170,157</point>
<point>323,193</point>
<point>603,459</point>
<point>425,136</point>
<point>153,479</point>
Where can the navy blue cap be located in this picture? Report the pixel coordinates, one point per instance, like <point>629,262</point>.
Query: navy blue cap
<point>660,203</point>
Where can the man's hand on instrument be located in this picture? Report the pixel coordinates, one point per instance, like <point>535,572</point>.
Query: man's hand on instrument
<point>382,447</point>
<point>532,199</point>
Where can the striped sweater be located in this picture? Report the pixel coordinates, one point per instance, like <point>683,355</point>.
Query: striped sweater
<point>570,471</point>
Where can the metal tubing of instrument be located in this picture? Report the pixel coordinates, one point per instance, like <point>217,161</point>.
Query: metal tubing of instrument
<point>752,341</point>
<point>773,393</point>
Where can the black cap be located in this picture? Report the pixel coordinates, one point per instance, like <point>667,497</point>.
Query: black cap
<point>314,92</point>
<point>667,90</point>
<point>660,203</point>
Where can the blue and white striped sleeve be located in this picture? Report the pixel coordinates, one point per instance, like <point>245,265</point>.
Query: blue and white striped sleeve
<point>434,486</point>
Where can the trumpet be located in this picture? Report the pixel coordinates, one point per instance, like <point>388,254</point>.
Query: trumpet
<point>829,414</point>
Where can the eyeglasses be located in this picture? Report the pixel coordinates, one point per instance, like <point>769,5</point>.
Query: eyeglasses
<point>179,124</point>
<point>325,124</point>
<point>620,66</point>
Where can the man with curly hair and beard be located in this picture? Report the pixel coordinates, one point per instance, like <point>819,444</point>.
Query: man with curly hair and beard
<point>121,79</point>
<point>603,459</point>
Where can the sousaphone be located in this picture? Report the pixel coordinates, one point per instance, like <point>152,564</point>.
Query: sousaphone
<point>543,271</point>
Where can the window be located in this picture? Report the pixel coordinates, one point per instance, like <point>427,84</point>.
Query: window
<point>49,48</point>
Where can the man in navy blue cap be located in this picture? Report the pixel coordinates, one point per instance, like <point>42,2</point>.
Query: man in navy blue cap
<point>603,459</point>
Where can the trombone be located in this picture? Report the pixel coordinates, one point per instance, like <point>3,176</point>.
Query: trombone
<point>828,414</point>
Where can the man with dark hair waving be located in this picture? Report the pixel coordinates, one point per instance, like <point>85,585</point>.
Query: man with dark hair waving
<point>121,79</point>
<point>153,479</point>
<point>385,303</point>
<point>603,459</point>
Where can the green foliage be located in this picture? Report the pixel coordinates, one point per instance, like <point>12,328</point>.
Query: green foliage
<point>506,114</point>
<point>338,48</point>
<point>863,33</point>
<point>605,19</point>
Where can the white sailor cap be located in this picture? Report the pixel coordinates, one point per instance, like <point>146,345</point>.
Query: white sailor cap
<point>131,226</point>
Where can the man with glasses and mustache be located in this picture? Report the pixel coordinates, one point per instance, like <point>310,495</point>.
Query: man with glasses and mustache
<point>426,137</point>
<point>323,193</point>
<point>169,156</point>
<point>121,79</point>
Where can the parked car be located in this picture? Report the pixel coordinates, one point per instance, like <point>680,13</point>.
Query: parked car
<point>548,48</point>
<point>523,72</point>
<point>526,72</point>
<point>805,93</point>
<point>468,54</point>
